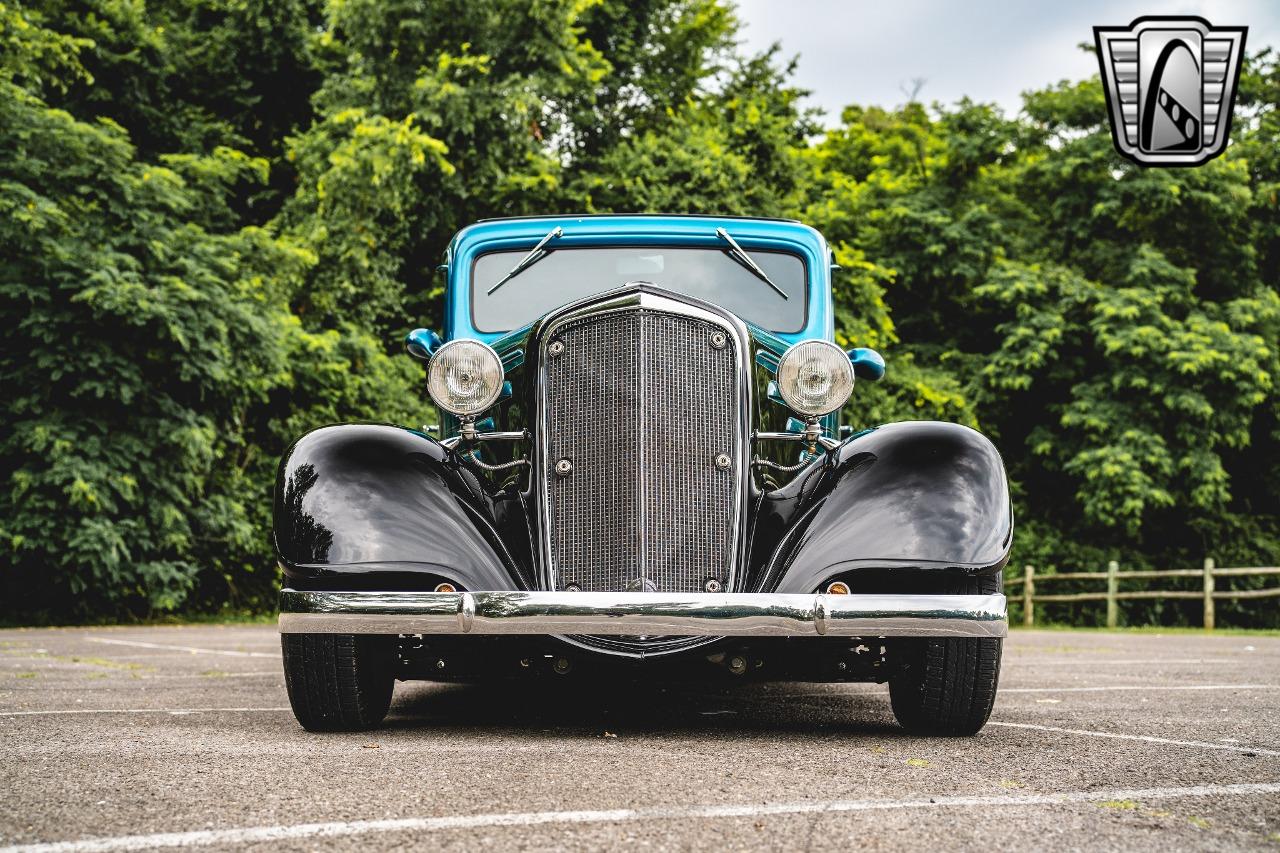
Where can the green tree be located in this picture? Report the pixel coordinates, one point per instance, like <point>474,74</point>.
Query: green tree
<point>138,339</point>
<point>737,150</point>
<point>1112,327</point>
<point>157,367</point>
<point>188,76</point>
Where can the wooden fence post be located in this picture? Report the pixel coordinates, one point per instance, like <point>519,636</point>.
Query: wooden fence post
<point>1208,593</point>
<point>1028,596</point>
<point>1113,586</point>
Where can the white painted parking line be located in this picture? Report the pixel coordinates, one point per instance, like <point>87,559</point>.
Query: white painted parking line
<point>1107,688</point>
<point>869,689</point>
<point>211,676</point>
<point>193,649</point>
<point>109,678</point>
<point>258,834</point>
<point>1030,660</point>
<point>174,711</point>
<point>1225,747</point>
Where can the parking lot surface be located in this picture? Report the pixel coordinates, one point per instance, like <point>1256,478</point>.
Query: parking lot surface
<point>146,738</point>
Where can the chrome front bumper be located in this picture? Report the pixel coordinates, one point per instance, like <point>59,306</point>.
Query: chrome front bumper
<point>643,614</point>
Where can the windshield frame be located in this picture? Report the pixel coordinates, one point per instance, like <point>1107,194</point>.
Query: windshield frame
<point>646,229</point>
<point>804,292</point>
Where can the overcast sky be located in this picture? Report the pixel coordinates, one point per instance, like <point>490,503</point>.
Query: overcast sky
<point>856,51</point>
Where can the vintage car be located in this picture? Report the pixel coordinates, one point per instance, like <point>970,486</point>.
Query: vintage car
<point>641,472</point>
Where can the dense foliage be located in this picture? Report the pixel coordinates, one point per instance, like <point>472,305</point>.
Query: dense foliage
<point>218,217</point>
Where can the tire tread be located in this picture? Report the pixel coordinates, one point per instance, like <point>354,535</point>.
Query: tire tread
<point>338,682</point>
<point>948,686</point>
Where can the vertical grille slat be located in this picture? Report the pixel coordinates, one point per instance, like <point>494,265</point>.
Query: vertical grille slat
<point>641,403</point>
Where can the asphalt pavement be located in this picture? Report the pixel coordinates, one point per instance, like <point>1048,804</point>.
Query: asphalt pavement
<point>161,737</point>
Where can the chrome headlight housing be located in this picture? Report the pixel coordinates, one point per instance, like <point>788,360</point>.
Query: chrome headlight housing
<point>465,377</point>
<point>815,378</point>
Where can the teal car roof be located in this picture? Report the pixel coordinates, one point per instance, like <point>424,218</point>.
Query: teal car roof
<point>523,232</point>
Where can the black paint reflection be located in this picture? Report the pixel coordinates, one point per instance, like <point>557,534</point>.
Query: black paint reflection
<point>381,496</point>
<point>917,495</point>
<point>310,539</point>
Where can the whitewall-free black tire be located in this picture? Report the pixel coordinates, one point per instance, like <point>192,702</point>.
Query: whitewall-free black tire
<point>947,686</point>
<point>339,682</point>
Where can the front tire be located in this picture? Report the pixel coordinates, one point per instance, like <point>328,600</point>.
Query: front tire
<point>339,682</point>
<point>948,686</point>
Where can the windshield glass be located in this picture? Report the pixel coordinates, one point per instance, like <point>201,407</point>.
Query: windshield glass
<point>567,275</point>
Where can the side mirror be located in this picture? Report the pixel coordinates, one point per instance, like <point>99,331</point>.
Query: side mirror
<point>867,364</point>
<point>422,343</point>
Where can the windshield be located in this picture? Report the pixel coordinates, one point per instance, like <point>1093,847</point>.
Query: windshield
<point>567,275</point>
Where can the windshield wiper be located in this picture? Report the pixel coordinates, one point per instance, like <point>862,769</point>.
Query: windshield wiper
<point>538,253</point>
<point>739,255</point>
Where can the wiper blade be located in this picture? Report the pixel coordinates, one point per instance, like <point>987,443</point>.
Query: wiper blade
<point>740,255</point>
<point>536,254</point>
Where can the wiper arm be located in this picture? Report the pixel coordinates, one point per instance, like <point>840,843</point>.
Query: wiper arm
<point>536,254</point>
<point>739,255</point>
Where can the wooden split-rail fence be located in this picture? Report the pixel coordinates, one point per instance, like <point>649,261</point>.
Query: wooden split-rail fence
<point>1113,577</point>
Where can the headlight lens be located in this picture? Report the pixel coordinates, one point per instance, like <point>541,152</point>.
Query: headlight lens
<point>465,377</point>
<point>815,377</point>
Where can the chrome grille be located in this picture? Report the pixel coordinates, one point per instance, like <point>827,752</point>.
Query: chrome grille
<point>640,403</point>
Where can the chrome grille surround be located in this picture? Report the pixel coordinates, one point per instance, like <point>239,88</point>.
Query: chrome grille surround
<point>635,403</point>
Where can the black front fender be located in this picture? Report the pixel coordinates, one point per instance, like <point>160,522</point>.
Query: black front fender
<point>895,506</point>
<point>368,507</point>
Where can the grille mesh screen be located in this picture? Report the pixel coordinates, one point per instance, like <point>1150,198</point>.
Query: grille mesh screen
<point>641,403</point>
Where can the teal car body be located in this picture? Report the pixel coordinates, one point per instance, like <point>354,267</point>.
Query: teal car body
<point>649,230</point>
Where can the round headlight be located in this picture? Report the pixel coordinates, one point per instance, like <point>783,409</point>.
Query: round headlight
<point>465,377</point>
<point>815,377</point>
